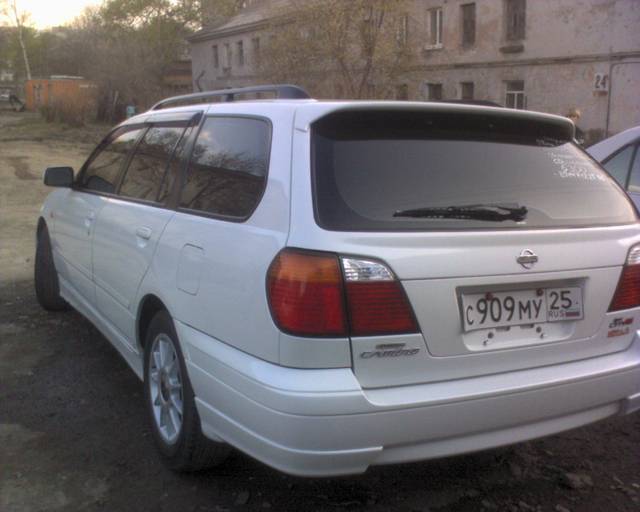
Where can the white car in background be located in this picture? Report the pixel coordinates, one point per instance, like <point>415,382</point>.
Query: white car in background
<point>330,285</point>
<point>620,156</point>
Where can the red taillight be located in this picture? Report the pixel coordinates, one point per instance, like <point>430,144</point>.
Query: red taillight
<point>307,291</point>
<point>377,308</point>
<point>627,294</point>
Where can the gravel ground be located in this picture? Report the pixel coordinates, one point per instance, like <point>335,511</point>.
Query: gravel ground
<point>73,435</point>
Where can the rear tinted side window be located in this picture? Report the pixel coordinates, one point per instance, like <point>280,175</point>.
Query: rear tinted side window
<point>148,166</point>
<point>228,168</point>
<point>101,174</point>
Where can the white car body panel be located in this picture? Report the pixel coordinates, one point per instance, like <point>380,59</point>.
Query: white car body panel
<point>314,406</point>
<point>125,238</point>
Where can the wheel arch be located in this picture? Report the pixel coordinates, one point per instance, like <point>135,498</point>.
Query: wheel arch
<point>149,306</point>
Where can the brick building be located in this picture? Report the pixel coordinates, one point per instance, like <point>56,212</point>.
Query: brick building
<point>545,55</point>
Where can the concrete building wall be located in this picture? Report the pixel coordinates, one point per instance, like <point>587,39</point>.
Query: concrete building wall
<point>568,46</point>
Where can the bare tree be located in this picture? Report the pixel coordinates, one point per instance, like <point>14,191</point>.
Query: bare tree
<point>18,18</point>
<point>354,48</point>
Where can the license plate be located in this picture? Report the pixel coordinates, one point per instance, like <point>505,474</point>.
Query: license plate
<point>520,307</point>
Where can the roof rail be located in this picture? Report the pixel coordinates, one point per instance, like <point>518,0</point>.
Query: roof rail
<point>285,91</point>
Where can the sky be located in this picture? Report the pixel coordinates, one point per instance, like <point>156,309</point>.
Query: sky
<point>50,13</point>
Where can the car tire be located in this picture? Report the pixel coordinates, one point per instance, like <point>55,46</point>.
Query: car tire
<point>45,276</point>
<point>170,403</point>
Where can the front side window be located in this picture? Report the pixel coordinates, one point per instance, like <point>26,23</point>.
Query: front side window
<point>228,168</point>
<point>147,169</point>
<point>425,171</point>
<point>102,172</point>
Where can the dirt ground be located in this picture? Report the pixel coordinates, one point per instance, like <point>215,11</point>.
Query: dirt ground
<point>73,434</point>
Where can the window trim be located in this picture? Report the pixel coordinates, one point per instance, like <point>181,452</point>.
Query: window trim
<point>185,170</point>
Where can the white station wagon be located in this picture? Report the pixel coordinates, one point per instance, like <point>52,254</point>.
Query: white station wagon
<point>330,285</point>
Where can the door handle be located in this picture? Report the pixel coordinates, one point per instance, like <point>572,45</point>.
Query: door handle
<point>144,232</point>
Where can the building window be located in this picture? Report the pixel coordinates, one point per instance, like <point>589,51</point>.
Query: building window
<point>255,43</point>
<point>434,92</point>
<point>515,19</point>
<point>515,97</point>
<point>468,24</point>
<point>402,32</point>
<point>227,56</point>
<point>216,57</point>
<point>402,92</point>
<point>240,46</point>
<point>466,90</point>
<point>435,28</point>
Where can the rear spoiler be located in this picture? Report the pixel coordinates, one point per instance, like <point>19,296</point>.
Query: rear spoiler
<point>442,119</point>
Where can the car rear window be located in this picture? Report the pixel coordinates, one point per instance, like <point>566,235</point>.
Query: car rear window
<point>411,170</point>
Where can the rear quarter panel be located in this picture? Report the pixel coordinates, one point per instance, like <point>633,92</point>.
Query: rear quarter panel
<point>210,273</point>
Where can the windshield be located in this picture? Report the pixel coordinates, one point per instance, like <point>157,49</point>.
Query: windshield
<point>370,165</point>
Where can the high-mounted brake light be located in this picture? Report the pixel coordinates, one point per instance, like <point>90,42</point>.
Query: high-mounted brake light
<point>319,294</point>
<point>627,294</point>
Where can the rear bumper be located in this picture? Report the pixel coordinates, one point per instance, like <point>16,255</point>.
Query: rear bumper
<point>321,423</point>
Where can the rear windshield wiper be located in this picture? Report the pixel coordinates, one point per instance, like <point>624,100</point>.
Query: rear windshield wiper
<point>487,212</point>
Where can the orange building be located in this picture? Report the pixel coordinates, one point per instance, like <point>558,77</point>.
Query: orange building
<point>58,89</point>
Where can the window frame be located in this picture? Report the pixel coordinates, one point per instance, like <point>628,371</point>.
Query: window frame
<point>468,42</point>
<point>216,56</point>
<point>185,170</point>
<point>515,93</point>
<point>240,49</point>
<point>432,87</point>
<point>438,13</point>
<point>510,32</point>
<point>467,84</point>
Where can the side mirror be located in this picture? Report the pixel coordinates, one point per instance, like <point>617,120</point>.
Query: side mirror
<point>58,177</point>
